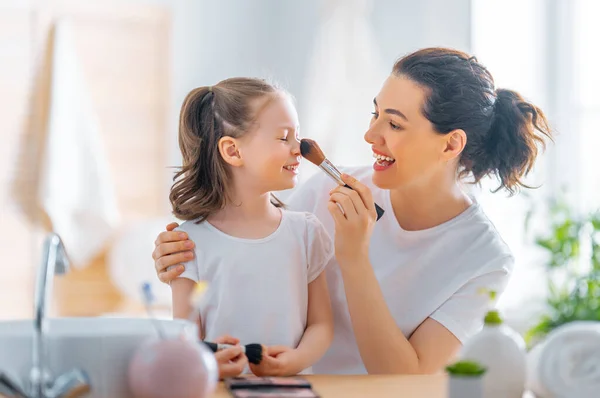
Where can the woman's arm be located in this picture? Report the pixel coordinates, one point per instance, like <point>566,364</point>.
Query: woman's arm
<point>382,345</point>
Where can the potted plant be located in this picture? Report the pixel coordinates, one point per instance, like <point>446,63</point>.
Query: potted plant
<point>465,379</point>
<point>571,242</point>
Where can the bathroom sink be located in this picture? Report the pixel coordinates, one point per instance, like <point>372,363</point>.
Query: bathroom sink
<point>75,357</point>
<point>100,346</point>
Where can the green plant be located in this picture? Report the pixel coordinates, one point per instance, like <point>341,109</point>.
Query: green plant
<point>572,243</point>
<point>466,368</point>
<point>492,317</point>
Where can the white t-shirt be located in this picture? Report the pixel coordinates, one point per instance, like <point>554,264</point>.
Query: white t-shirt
<point>434,273</point>
<point>258,288</point>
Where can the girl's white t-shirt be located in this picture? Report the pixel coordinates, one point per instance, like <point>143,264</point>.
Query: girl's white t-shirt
<point>434,273</point>
<point>258,288</point>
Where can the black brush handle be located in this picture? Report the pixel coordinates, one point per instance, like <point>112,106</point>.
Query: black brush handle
<point>213,346</point>
<point>378,209</point>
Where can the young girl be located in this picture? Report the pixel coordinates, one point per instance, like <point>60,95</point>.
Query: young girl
<point>264,264</point>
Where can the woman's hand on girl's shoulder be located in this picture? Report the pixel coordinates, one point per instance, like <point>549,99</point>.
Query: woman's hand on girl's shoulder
<point>171,248</point>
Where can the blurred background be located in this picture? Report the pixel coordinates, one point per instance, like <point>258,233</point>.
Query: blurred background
<point>90,95</point>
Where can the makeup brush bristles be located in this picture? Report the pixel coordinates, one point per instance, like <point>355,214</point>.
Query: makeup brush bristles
<point>310,151</point>
<point>148,298</point>
<point>198,294</point>
<point>254,352</point>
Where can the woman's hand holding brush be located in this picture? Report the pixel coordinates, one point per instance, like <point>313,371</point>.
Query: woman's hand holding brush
<point>311,151</point>
<point>355,220</point>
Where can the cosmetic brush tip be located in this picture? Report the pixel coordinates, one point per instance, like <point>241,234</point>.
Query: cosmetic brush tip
<point>148,299</point>
<point>254,353</point>
<point>310,150</point>
<point>198,294</point>
<point>200,288</point>
<point>147,292</point>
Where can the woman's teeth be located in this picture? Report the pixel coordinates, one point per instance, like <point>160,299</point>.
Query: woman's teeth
<point>291,167</point>
<point>383,159</point>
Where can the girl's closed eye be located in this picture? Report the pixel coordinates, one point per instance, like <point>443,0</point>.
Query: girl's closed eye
<point>283,134</point>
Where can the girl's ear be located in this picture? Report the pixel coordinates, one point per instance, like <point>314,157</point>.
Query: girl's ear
<point>229,149</point>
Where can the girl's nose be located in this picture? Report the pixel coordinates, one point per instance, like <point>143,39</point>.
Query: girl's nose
<point>296,147</point>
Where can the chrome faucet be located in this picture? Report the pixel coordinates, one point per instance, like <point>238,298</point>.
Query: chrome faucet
<point>73,383</point>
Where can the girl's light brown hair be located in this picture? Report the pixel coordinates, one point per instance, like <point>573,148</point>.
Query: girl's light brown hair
<point>201,186</point>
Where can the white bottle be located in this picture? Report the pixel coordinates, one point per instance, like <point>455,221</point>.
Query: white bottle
<point>502,351</point>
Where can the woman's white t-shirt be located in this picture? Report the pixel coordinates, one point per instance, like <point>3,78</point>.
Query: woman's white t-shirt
<point>435,273</point>
<point>258,288</point>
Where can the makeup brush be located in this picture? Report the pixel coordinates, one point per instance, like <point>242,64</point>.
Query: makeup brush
<point>253,351</point>
<point>196,299</point>
<point>148,298</point>
<point>311,151</point>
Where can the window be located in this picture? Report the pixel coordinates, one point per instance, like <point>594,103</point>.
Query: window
<point>548,51</point>
<point>585,107</point>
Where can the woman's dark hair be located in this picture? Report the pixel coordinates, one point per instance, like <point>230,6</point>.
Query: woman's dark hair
<point>229,108</point>
<point>502,129</point>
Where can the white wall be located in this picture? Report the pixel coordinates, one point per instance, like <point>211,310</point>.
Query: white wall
<point>272,38</point>
<point>213,40</point>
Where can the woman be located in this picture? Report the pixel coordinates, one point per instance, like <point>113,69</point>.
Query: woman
<point>406,290</point>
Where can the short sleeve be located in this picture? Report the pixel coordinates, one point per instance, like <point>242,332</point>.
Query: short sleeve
<point>320,247</point>
<point>191,267</point>
<point>462,314</point>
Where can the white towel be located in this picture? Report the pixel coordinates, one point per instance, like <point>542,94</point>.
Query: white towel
<point>566,364</point>
<point>76,191</point>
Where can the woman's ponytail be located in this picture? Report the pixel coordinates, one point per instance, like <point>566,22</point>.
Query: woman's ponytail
<point>511,144</point>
